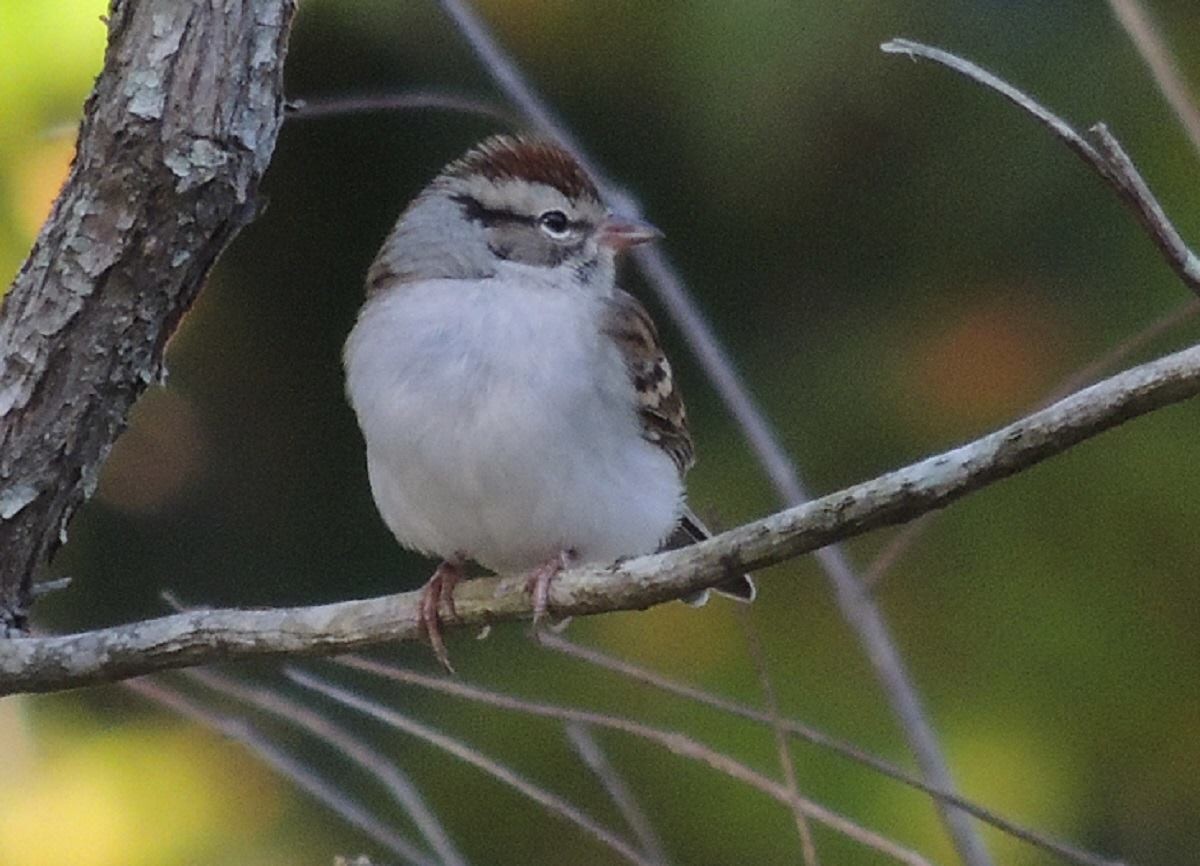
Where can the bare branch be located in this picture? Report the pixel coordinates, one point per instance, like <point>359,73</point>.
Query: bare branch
<point>1115,167</point>
<point>301,775</point>
<point>549,801</point>
<point>903,541</point>
<point>589,750</point>
<point>399,787</point>
<point>175,138</point>
<point>673,741</point>
<point>315,107</point>
<point>1150,45</point>
<point>1107,158</point>
<point>46,587</point>
<point>787,766</point>
<point>825,741</point>
<point>1118,354</point>
<point>201,637</point>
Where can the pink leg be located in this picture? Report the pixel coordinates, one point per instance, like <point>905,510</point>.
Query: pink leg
<point>439,588</point>
<point>537,583</point>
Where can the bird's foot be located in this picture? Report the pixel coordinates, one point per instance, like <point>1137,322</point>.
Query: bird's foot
<point>537,583</point>
<point>439,588</point>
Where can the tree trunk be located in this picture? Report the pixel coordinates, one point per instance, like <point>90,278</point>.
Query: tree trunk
<point>175,138</point>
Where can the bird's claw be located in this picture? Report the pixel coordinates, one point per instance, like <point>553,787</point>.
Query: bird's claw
<point>439,588</point>
<point>537,584</point>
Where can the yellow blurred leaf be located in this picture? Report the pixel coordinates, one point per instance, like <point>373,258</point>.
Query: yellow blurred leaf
<point>129,797</point>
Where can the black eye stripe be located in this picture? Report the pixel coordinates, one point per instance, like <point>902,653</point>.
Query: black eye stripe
<point>475,211</point>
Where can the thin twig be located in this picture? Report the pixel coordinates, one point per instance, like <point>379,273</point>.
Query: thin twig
<point>500,65</point>
<point>549,801</point>
<point>822,740</point>
<point>204,636</point>
<point>899,545</point>
<point>1132,344</point>
<point>673,741</point>
<point>46,587</point>
<point>301,775</point>
<point>353,748</point>
<point>315,107</point>
<point>1106,158</point>
<point>856,605</point>
<point>590,752</point>
<point>1135,192</point>
<point>1153,49</point>
<point>910,533</point>
<point>808,847</point>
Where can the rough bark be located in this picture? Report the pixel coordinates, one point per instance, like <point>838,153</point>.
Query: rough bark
<point>175,138</point>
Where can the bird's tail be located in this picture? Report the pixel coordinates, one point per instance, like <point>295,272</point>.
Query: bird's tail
<point>689,531</point>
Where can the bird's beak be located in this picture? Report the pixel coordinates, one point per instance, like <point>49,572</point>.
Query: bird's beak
<point>620,233</point>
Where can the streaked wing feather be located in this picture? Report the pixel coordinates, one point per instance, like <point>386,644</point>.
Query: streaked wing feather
<point>664,420</point>
<point>660,405</point>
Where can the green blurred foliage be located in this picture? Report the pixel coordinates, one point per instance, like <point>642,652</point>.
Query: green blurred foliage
<point>897,259</point>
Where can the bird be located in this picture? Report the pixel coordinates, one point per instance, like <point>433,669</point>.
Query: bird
<point>517,408</point>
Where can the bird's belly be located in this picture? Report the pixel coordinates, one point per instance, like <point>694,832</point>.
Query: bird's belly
<point>508,451</point>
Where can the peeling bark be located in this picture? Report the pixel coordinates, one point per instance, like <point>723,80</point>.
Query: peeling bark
<point>175,138</point>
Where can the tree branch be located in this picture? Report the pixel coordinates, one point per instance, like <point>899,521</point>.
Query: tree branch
<point>1105,156</point>
<point>45,664</point>
<point>175,137</point>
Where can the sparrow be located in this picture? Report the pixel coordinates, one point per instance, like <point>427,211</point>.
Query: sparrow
<point>517,407</point>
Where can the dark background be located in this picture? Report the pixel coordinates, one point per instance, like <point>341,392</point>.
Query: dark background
<point>898,260</point>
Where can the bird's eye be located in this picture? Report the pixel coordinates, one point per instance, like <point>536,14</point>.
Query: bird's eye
<point>554,223</point>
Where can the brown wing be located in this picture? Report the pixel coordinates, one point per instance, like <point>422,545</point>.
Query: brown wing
<point>660,405</point>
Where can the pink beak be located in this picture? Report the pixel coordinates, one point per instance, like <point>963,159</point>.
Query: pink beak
<point>620,233</point>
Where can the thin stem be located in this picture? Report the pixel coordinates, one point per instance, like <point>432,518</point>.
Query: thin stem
<point>1148,40</point>
<point>45,587</point>
<point>910,533</point>
<point>301,775</point>
<point>592,754</point>
<point>786,764</point>
<point>500,65</point>
<point>551,802</point>
<point>1107,158</point>
<point>316,107</point>
<point>354,749</point>
<point>673,741</point>
<point>821,740</point>
<point>1092,371</point>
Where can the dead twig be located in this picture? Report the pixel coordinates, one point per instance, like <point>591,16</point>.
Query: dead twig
<point>825,741</point>
<point>1105,156</point>
<point>673,741</point>
<point>549,801</point>
<point>299,774</point>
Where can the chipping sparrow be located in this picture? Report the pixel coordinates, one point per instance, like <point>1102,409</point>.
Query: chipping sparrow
<point>517,408</point>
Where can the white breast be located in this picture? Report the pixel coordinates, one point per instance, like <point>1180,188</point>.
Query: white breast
<point>500,424</point>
